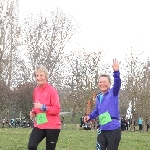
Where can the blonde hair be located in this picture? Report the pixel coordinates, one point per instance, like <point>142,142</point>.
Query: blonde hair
<point>41,68</point>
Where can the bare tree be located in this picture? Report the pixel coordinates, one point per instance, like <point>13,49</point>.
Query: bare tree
<point>9,33</point>
<point>82,72</point>
<point>9,39</point>
<point>143,99</point>
<point>44,39</point>
<point>132,86</point>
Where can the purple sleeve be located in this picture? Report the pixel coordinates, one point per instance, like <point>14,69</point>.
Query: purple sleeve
<point>94,113</point>
<point>117,83</point>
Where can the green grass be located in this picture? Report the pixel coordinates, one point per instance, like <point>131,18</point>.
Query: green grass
<point>71,139</point>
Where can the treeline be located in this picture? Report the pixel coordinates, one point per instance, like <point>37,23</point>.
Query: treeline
<point>42,40</point>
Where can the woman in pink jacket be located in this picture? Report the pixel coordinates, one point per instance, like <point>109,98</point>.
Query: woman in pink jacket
<point>45,113</point>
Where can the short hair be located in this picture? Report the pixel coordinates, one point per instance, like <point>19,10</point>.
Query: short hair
<point>41,68</point>
<point>106,75</point>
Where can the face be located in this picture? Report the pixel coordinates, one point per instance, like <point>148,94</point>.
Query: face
<point>103,84</point>
<point>40,78</point>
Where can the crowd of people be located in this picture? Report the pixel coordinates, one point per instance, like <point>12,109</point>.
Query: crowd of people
<point>125,124</point>
<point>17,123</point>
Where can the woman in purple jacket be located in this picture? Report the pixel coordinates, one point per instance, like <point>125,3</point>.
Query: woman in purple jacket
<point>107,111</point>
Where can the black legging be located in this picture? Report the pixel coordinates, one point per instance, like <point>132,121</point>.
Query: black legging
<point>37,135</point>
<point>140,126</point>
<point>109,139</point>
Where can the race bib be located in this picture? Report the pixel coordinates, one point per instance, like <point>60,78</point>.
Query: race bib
<point>41,118</point>
<point>104,118</point>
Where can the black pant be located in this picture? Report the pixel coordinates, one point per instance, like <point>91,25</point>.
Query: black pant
<point>147,127</point>
<point>140,127</point>
<point>37,135</point>
<point>109,139</point>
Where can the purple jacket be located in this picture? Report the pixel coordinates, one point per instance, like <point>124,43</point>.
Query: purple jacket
<point>109,103</point>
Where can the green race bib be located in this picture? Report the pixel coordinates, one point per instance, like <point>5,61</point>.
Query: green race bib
<point>41,118</point>
<point>104,118</point>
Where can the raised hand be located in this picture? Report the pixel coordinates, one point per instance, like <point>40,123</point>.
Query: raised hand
<point>115,65</point>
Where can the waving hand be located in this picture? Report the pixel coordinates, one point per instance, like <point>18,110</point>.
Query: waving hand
<point>115,65</point>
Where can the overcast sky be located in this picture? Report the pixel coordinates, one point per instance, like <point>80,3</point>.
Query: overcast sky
<point>113,26</point>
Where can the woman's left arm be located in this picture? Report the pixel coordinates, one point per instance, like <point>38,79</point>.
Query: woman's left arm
<point>117,80</point>
<point>117,83</point>
<point>54,107</point>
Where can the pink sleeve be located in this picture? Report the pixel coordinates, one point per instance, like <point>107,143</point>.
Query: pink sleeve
<point>54,108</point>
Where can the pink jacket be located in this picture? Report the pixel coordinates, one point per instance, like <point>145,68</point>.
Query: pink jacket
<point>47,95</point>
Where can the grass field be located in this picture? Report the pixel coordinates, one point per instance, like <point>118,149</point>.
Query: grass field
<point>71,139</point>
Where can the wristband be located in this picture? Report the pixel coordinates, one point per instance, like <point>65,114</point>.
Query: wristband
<point>43,107</point>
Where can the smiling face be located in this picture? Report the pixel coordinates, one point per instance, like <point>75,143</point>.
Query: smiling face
<point>41,75</point>
<point>104,83</point>
<point>40,78</point>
